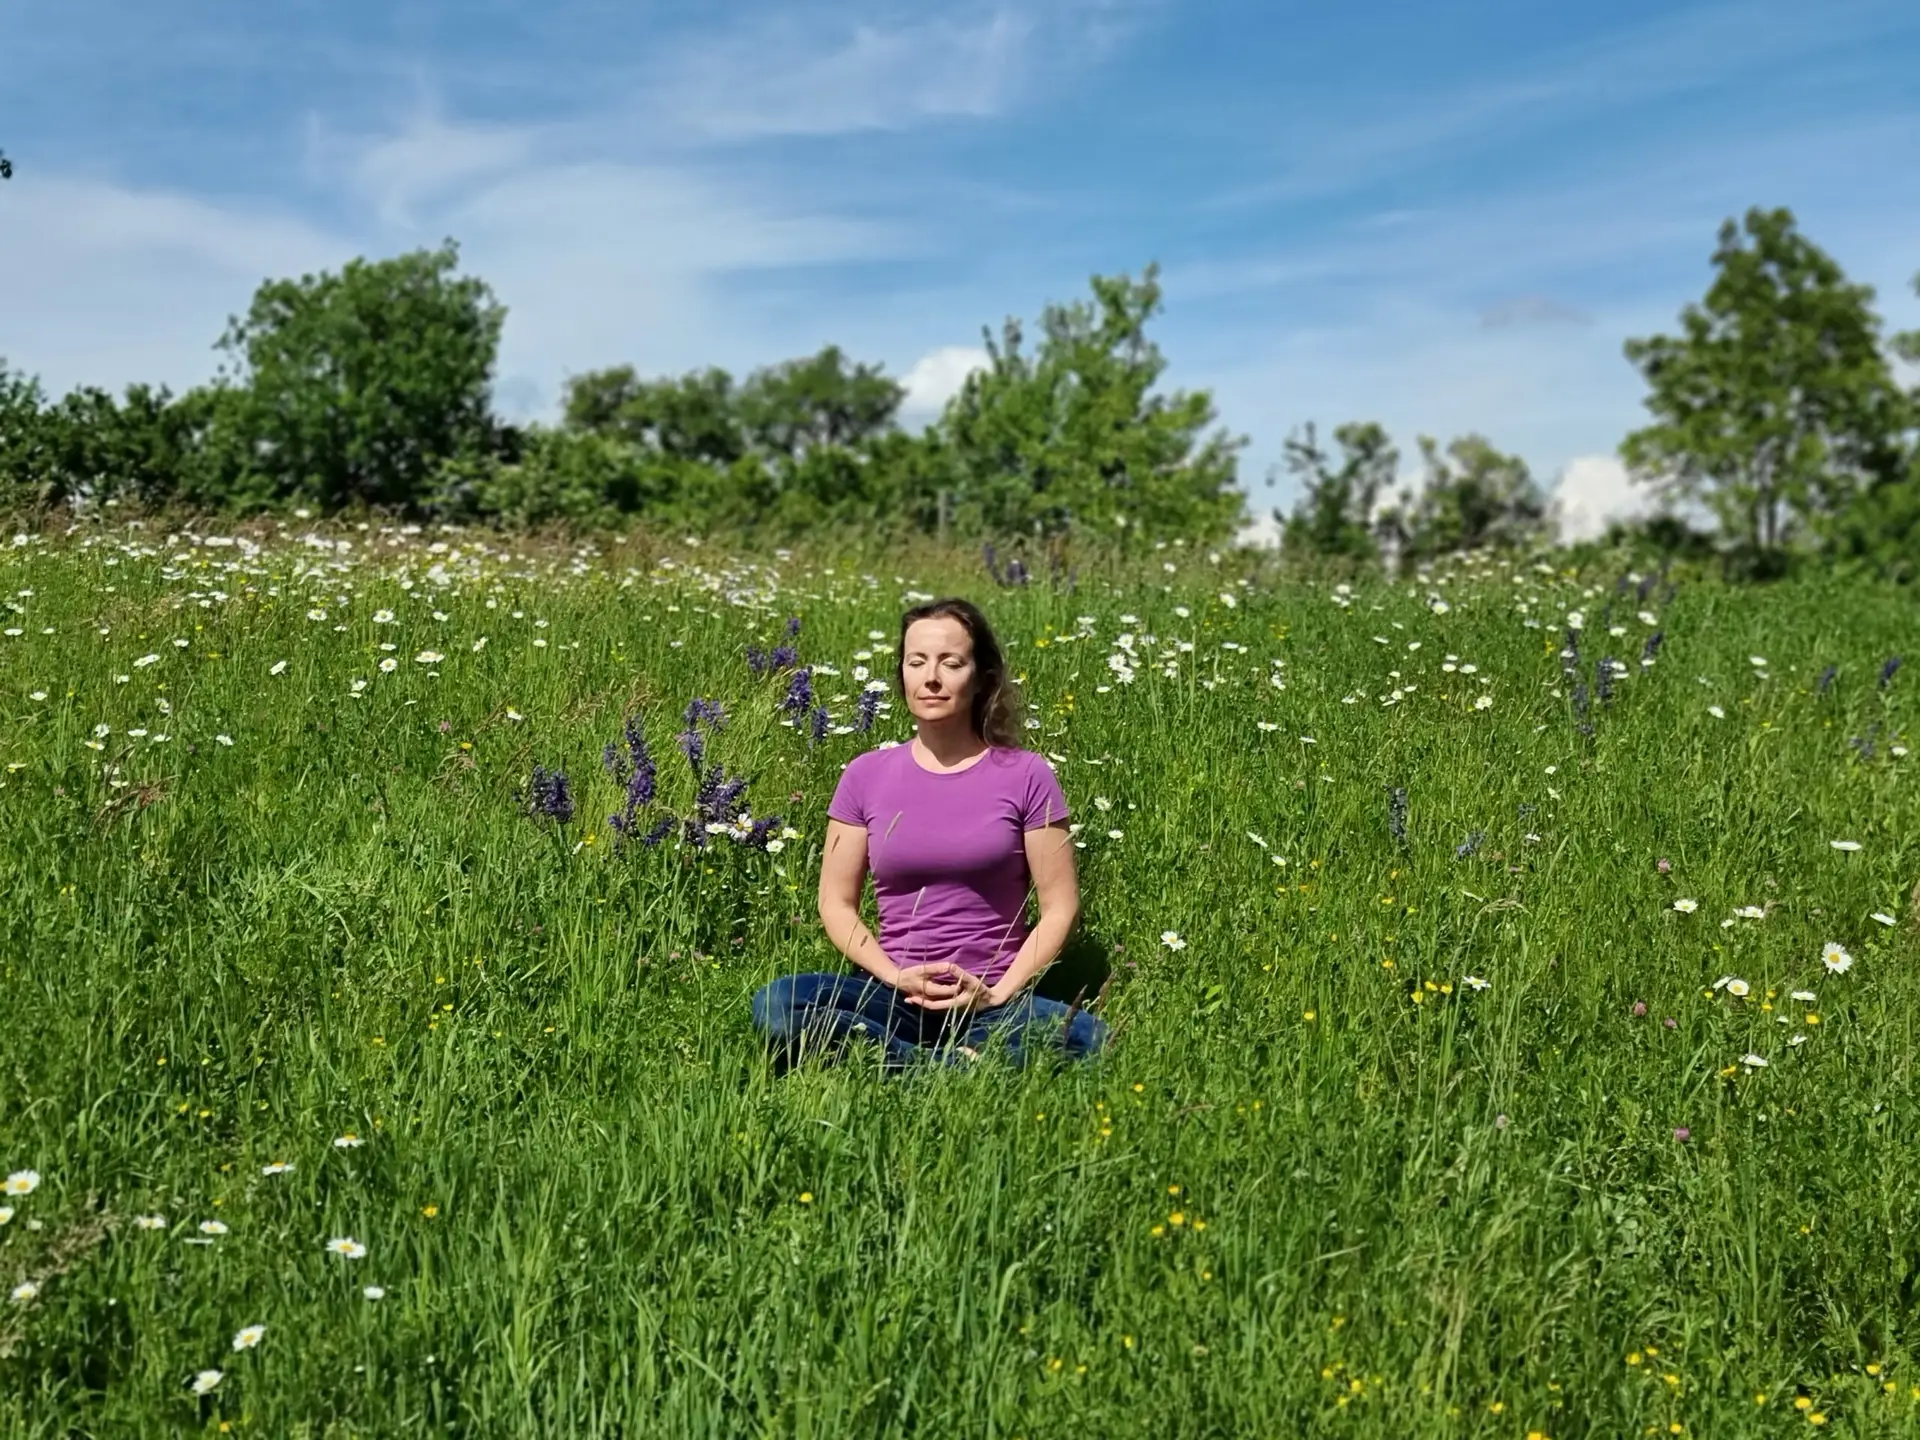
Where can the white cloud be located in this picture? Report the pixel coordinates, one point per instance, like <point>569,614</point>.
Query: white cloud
<point>785,77</point>
<point>1323,150</point>
<point>936,378</point>
<point>1594,490</point>
<point>109,285</point>
<point>426,159</point>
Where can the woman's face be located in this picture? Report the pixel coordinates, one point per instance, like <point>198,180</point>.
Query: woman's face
<point>936,667</point>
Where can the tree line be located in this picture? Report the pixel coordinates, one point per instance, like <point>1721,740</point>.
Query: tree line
<point>1776,410</point>
<point>370,388</point>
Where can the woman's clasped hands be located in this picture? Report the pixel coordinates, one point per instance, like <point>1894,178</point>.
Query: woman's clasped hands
<point>944,986</point>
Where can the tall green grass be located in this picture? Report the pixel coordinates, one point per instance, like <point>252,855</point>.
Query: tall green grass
<point>1319,1185</point>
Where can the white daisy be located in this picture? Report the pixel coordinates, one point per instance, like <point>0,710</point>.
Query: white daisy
<point>278,1167</point>
<point>206,1380</point>
<point>1881,917</point>
<point>347,1246</point>
<point>374,1292</point>
<point>348,1141</point>
<point>383,617</point>
<point>1171,939</point>
<point>1754,1062</point>
<point>1738,987</point>
<point>429,657</point>
<point>1716,712</point>
<point>1474,982</point>
<point>1807,996</point>
<point>150,1222</point>
<point>279,667</point>
<point>213,1227</point>
<point>251,1336</point>
<point>22,1182</point>
<point>389,665</point>
<point>1844,844</point>
<point>1836,958</point>
<point>1686,907</point>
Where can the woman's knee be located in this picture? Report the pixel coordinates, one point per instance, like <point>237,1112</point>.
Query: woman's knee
<point>773,1007</point>
<point>1086,1033</point>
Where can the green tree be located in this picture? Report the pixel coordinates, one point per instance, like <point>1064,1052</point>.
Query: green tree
<point>27,469</point>
<point>359,386</point>
<point>1472,497</point>
<point>1334,515</point>
<point>1072,436</point>
<point>693,417</point>
<point>818,403</point>
<point>1775,403</point>
<point>1882,526</point>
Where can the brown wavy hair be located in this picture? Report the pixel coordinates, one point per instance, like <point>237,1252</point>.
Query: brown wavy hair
<point>999,713</point>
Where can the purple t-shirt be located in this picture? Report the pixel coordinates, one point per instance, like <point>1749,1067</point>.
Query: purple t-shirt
<point>948,852</point>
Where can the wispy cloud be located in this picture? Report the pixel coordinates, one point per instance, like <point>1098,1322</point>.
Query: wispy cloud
<point>787,77</point>
<point>1335,147</point>
<point>1532,310</point>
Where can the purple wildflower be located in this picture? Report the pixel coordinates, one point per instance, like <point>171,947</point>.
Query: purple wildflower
<point>799,693</point>
<point>821,720</point>
<point>757,660</point>
<point>867,708</point>
<point>711,711</point>
<point>793,626</point>
<point>1888,670</point>
<point>548,796</point>
<point>1682,1134</point>
<point>1826,678</point>
<point>1603,679</point>
<point>693,747</point>
<point>658,833</point>
<point>1397,812</point>
<point>634,768</point>
<point>784,656</point>
<point>1471,846</point>
<point>1652,647</point>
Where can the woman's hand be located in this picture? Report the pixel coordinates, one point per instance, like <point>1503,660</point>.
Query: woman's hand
<point>968,992</point>
<point>928,984</point>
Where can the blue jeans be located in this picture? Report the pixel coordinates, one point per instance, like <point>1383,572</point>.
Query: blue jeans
<point>819,1012</point>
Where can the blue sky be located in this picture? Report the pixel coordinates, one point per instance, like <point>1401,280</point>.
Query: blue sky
<point>1445,218</point>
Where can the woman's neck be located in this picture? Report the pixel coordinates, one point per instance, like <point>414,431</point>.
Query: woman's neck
<point>949,742</point>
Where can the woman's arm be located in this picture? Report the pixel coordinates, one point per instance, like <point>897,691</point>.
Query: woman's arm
<point>1050,861</point>
<point>843,871</point>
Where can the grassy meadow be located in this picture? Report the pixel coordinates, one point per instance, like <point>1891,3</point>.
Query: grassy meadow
<point>1477,1110</point>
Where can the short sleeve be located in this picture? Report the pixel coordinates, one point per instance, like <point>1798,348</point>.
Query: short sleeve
<point>849,801</point>
<point>1044,802</point>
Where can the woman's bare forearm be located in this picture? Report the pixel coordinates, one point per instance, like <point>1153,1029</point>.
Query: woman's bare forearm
<point>852,938</point>
<point>1042,948</point>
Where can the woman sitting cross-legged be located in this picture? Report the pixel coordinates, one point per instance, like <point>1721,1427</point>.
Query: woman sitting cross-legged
<point>956,826</point>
